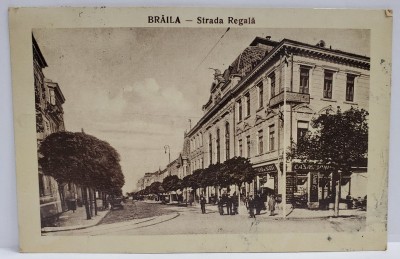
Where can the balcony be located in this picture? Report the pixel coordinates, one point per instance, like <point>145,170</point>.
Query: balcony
<point>291,97</point>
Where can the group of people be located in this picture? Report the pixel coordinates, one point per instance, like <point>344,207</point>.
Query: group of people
<point>231,203</point>
<point>257,204</point>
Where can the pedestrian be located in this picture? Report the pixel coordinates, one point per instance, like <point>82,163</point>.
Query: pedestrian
<point>271,205</point>
<point>235,202</point>
<point>220,206</point>
<point>229,205</point>
<point>257,203</point>
<point>203,204</point>
<point>251,206</point>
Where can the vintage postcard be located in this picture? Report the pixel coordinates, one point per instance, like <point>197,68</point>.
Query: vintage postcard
<point>201,129</point>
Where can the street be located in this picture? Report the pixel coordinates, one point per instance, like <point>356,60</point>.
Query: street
<point>141,218</point>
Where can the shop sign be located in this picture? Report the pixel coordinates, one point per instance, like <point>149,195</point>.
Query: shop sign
<point>266,169</point>
<point>314,187</point>
<point>290,187</point>
<point>312,167</point>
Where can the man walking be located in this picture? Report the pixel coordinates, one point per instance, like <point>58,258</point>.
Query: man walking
<point>229,205</point>
<point>203,204</point>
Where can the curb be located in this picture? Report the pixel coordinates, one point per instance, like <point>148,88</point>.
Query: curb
<point>74,227</point>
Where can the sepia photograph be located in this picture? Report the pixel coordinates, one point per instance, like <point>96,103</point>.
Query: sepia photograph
<point>147,131</point>
<point>209,130</point>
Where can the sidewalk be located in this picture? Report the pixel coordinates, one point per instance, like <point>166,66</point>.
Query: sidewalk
<point>76,220</point>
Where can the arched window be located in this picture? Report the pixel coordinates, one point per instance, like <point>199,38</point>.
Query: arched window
<point>210,147</point>
<point>227,138</point>
<point>218,147</point>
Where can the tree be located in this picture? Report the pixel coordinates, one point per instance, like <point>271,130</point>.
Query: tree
<point>82,159</point>
<point>339,140</point>
<point>171,183</point>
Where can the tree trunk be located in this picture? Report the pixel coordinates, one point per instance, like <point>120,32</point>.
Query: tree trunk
<point>337,195</point>
<point>90,201</point>
<point>95,203</point>
<point>85,202</point>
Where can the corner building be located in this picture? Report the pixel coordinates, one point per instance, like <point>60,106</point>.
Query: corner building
<point>267,97</point>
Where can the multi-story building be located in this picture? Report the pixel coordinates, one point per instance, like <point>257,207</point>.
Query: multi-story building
<point>49,119</point>
<point>266,98</point>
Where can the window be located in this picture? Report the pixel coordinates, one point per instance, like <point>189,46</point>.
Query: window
<point>272,80</point>
<point>302,128</point>
<point>218,147</point>
<point>210,148</point>
<point>260,142</point>
<point>52,97</point>
<point>240,109</point>
<point>247,104</point>
<point>260,95</point>
<point>328,79</point>
<point>272,137</point>
<point>248,145</point>
<point>227,138</point>
<point>240,148</point>
<point>304,80</point>
<point>350,88</point>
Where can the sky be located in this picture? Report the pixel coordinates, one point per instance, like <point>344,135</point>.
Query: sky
<point>137,88</point>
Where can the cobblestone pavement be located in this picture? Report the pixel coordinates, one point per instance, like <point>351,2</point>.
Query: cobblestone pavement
<point>157,219</point>
<point>136,210</point>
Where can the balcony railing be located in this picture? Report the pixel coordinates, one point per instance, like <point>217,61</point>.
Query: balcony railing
<point>291,97</point>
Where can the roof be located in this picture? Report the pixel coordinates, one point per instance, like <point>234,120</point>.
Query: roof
<point>36,49</point>
<point>245,62</point>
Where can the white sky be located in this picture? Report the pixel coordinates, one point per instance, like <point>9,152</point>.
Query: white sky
<point>137,87</point>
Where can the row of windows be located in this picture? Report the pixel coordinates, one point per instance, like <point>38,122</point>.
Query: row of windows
<point>302,128</point>
<point>328,83</point>
<point>196,142</point>
<point>260,142</point>
<point>303,88</point>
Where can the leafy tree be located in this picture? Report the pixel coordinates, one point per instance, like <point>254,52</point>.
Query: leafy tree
<point>339,140</point>
<point>171,183</point>
<point>239,170</point>
<point>82,159</point>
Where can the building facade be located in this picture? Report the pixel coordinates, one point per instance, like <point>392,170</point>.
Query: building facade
<point>268,97</point>
<point>264,100</point>
<point>49,119</point>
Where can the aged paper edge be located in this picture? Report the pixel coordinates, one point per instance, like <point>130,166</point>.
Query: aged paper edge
<point>23,20</point>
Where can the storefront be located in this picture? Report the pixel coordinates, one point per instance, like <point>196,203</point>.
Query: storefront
<point>267,179</point>
<point>310,185</point>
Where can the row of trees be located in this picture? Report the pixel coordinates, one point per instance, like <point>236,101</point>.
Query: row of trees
<point>337,139</point>
<point>76,157</point>
<point>234,171</point>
